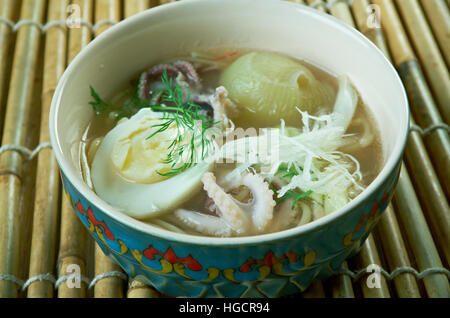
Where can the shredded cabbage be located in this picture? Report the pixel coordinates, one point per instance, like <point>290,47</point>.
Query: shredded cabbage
<point>310,154</point>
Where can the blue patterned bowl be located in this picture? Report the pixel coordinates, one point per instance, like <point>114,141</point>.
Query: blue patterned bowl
<point>268,265</point>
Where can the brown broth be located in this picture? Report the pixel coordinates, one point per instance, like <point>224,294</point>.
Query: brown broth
<point>370,158</point>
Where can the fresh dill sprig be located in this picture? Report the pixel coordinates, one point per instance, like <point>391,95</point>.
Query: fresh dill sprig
<point>190,122</point>
<point>98,104</point>
<point>194,126</point>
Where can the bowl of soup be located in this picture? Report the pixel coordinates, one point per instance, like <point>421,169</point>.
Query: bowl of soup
<point>227,148</point>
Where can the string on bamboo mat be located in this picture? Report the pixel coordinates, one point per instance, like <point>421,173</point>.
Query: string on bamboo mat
<point>23,285</point>
<point>25,152</point>
<point>70,23</point>
<point>355,275</point>
<point>430,129</point>
<point>95,280</point>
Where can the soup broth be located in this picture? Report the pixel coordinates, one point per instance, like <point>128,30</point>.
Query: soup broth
<point>180,135</point>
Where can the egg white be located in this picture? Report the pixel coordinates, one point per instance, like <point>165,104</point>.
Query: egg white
<point>133,197</point>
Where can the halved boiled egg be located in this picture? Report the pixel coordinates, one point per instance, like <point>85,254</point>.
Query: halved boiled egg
<point>126,168</point>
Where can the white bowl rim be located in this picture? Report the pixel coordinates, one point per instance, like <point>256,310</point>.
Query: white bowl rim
<point>147,229</point>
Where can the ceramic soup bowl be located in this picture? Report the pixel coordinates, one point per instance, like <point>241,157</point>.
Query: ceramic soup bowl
<point>269,265</point>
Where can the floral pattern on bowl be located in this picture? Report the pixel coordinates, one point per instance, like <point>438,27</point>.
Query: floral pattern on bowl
<point>276,269</point>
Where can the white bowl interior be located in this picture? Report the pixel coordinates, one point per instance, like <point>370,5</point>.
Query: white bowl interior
<point>170,30</point>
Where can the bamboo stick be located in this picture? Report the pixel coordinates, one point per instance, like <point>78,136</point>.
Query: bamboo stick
<point>426,114</point>
<point>431,195</point>
<point>46,210</point>
<point>318,4</point>
<point>419,236</point>
<point>315,290</point>
<point>29,173</point>
<point>396,254</point>
<point>438,15</point>
<point>360,9</point>
<point>73,238</point>
<point>341,11</point>
<point>80,37</point>
<point>18,111</point>
<point>396,36</point>
<point>140,290</point>
<point>106,10</point>
<point>110,287</point>
<point>26,206</point>
<point>71,251</point>
<point>341,285</point>
<point>132,7</point>
<point>422,104</point>
<point>433,63</point>
<point>368,256</point>
<point>8,10</point>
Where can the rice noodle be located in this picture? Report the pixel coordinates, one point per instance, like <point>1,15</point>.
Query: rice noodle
<point>357,142</point>
<point>306,214</point>
<point>159,223</point>
<point>318,212</point>
<point>92,150</point>
<point>84,163</point>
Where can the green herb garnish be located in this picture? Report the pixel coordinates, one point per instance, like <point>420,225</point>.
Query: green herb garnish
<point>289,172</point>
<point>128,109</point>
<point>296,196</point>
<point>134,104</point>
<point>194,127</point>
<point>189,120</point>
<point>98,104</point>
<point>286,171</point>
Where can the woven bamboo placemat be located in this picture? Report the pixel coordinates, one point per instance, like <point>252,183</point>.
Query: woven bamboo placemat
<point>41,238</point>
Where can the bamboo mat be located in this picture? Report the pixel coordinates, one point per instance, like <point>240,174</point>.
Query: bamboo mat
<point>41,238</point>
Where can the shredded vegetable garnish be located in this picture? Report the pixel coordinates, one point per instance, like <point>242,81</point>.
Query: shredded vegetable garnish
<point>308,162</point>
